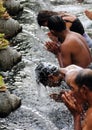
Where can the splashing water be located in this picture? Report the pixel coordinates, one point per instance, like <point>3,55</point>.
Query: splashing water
<point>38,111</point>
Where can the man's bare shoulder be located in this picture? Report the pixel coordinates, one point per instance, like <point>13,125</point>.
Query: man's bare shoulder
<point>73,37</point>
<point>73,66</point>
<point>71,42</point>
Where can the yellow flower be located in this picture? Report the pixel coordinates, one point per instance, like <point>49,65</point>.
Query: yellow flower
<point>1,81</point>
<point>2,84</point>
<point>3,42</point>
<point>2,9</point>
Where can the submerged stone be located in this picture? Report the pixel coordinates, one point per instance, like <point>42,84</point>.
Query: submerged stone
<point>10,27</point>
<point>8,102</point>
<point>13,7</point>
<point>9,58</point>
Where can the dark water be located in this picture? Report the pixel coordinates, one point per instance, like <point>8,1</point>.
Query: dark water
<point>38,111</point>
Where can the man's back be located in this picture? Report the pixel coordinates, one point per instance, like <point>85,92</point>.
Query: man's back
<point>74,50</point>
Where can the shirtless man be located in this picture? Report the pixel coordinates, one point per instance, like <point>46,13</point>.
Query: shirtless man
<point>80,83</point>
<point>73,47</point>
<point>72,22</point>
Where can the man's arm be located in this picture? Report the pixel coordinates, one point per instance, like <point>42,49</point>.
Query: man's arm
<point>77,122</point>
<point>65,55</point>
<point>60,59</point>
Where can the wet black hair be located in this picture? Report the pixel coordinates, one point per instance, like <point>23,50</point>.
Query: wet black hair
<point>56,23</point>
<point>43,70</point>
<point>44,15</point>
<point>84,78</point>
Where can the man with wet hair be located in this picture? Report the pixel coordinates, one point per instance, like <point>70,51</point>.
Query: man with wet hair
<point>52,76</point>
<point>72,22</point>
<point>80,82</point>
<point>73,47</point>
<point>43,72</point>
<point>56,23</point>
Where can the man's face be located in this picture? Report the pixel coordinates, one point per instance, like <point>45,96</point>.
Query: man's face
<point>54,33</point>
<point>45,23</point>
<point>54,80</point>
<point>77,92</point>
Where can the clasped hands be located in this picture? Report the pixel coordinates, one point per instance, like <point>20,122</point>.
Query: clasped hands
<point>69,100</point>
<point>52,46</point>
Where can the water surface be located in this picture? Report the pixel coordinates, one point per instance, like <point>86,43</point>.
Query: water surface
<point>38,111</point>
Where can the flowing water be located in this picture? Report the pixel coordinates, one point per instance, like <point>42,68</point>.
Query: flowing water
<point>38,111</point>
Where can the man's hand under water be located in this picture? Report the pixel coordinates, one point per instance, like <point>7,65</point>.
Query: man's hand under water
<point>57,97</point>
